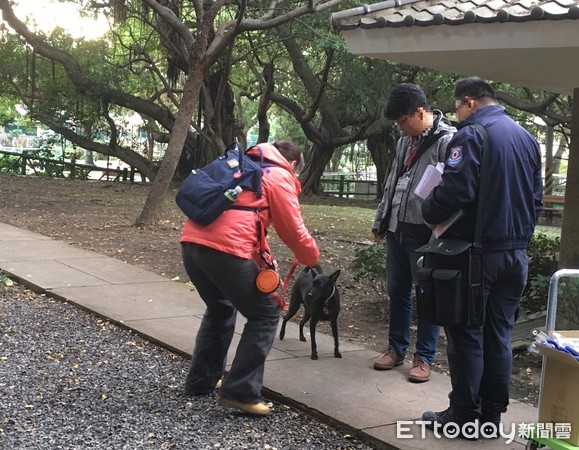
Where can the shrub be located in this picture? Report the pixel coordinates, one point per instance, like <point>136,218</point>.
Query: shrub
<point>543,255</point>
<point>370,265</point>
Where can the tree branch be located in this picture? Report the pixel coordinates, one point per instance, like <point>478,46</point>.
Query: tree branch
<point>173,21</point>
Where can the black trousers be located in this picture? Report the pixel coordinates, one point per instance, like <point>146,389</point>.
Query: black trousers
<point>226,284</point>
<point>480,358</point>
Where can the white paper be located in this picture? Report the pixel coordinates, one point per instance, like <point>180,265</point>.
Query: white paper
<point>430,179</point>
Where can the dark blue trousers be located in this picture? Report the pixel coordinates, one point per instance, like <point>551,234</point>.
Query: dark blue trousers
<point>226,284</point>
<point>480,358</point>
<point>401,270</point>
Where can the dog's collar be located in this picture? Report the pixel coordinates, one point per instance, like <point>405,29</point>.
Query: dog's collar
<point>331,295</point>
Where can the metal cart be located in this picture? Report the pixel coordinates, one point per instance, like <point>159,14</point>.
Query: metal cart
<point>535,441</point>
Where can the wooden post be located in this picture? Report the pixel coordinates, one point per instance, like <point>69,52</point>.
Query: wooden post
<point>569,250</point>
<point>23,159</point>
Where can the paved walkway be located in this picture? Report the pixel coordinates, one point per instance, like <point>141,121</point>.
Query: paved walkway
<point>346,392</point>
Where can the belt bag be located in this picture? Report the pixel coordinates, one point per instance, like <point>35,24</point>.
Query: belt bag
<point>449,288</point>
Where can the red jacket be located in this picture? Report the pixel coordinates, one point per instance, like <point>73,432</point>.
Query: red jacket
<point>235,231</point>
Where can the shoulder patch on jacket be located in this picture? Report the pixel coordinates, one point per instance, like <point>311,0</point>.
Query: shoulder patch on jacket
<point>455,156</point>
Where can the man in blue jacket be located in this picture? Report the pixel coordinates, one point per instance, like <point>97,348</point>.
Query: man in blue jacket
<point>480,357</point>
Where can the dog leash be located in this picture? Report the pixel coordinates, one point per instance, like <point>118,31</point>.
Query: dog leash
<point>281,302</point>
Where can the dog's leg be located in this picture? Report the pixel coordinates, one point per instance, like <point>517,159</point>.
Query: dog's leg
<point>294,307</point>
<point>334,323</point>
<point>302,323</point>
<point>313,324</point>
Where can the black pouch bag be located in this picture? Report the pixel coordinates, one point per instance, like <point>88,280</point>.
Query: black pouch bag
<point>449,288</point>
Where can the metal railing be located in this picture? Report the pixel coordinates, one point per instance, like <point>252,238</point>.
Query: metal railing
<point>24,163</point>
<point>349,186</point>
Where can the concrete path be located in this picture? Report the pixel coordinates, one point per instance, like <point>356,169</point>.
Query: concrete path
<point>345,392</point>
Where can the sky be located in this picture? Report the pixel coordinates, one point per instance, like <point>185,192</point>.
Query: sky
<point>49,14</point>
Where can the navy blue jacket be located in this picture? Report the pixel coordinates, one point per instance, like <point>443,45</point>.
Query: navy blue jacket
<point>516,189</point>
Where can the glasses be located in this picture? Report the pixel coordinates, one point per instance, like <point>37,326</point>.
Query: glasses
<point>464,101</point>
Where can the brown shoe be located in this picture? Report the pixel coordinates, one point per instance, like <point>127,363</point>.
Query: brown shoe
<point>420,371</point>
<point>255,409</point>
<point>388,360</point>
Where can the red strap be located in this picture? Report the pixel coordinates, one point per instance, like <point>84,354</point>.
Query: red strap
<point>266,255</point>
<point>412,153</point>
<point>282,302</point>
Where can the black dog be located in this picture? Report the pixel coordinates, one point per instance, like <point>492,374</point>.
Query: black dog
<point>321,301</point>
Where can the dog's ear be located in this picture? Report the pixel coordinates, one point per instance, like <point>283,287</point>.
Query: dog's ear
<point>334,276</point>
<point>315,271</point>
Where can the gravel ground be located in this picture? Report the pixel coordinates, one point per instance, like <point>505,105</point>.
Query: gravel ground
<point>70,380</point>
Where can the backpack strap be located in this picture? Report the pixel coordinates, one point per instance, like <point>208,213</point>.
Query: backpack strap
<point>264,250</point>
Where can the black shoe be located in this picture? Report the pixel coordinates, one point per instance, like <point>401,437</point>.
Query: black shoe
<point>448,424</point>
<point>490,423</point>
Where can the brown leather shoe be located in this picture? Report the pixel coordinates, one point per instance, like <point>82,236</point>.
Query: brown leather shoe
<point>420,371</point>
<point>388,360</point>
<point>255,409</point>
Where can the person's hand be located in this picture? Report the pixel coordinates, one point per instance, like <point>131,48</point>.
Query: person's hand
<point>377,236</point>
<point>430,225</point>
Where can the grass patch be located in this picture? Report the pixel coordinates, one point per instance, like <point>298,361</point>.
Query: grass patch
<point>355,223</point>
<point>343,222</point>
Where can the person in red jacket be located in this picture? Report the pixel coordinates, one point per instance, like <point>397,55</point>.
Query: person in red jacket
<point>222,260</point>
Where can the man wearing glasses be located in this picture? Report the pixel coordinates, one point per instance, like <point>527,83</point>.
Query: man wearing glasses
<point>480,357</point>
<point>425,135</point>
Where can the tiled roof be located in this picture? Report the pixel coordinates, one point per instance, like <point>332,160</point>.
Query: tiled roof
<point>408,13</point>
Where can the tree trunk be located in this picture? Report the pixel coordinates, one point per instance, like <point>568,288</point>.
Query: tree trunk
<point>313,170</point>
<point>150,146</point>
<point>569,251</point>
<point>154,203</point>
<point>382,148</point>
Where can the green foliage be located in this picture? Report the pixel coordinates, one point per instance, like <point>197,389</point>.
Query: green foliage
<point>370,266</point>
<point>9,164</point>
<point>542,253</point>
<point>5,281</point>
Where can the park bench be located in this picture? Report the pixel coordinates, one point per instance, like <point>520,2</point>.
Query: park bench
<point>553,205</point>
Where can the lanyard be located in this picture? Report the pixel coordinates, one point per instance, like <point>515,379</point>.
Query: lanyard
<point>412,153</point>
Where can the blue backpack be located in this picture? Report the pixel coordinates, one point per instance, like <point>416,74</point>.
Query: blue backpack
<point>202,195</point>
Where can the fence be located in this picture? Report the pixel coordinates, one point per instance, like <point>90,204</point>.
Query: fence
<point>349,186</point>
<point>26,164</point>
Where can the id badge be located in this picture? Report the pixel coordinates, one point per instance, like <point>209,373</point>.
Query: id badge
<point>402,182</point>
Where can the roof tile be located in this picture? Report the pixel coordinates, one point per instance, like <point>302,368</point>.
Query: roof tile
<point>454,12</point>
